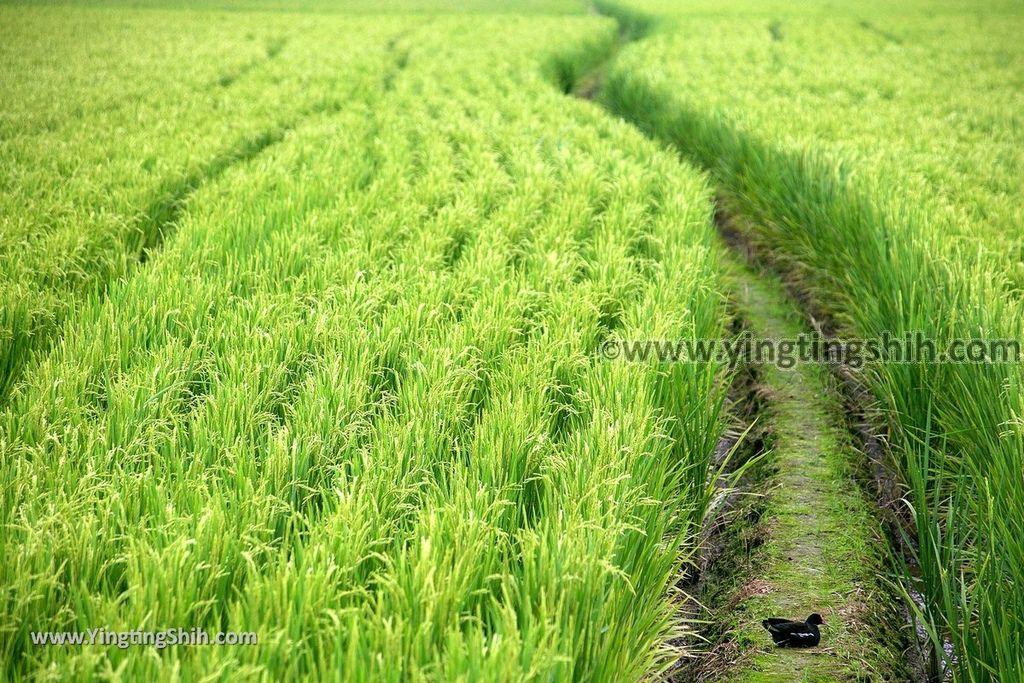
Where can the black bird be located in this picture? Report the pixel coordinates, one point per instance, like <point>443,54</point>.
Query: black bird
<point>788,633</point>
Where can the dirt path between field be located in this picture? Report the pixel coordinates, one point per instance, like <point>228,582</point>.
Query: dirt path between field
<point>812,540</point>
<point>821,548</point>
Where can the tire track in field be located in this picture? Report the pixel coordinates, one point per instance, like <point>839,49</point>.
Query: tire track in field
<point>813,509</point>
<point>272,49</point>
<point>159,219</point>
<point>888,36</point>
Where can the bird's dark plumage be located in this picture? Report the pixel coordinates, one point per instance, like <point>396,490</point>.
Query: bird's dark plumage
<point>788,633</point>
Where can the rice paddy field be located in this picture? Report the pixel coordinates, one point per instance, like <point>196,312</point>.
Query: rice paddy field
<point>304,313</point>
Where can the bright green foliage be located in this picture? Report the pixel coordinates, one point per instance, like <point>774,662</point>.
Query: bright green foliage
<point>932,108</point>
<point>880,154</point>
<point>352,403</point>
<point>111,120</point>
<point>347,6</point>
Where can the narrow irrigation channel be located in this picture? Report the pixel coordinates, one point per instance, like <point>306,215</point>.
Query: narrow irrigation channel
<point>810,539</point>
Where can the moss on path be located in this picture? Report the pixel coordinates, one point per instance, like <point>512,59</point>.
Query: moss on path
<point>822,549</point>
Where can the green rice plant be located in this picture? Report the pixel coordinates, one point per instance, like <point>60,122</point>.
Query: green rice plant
<point>353,403</point>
